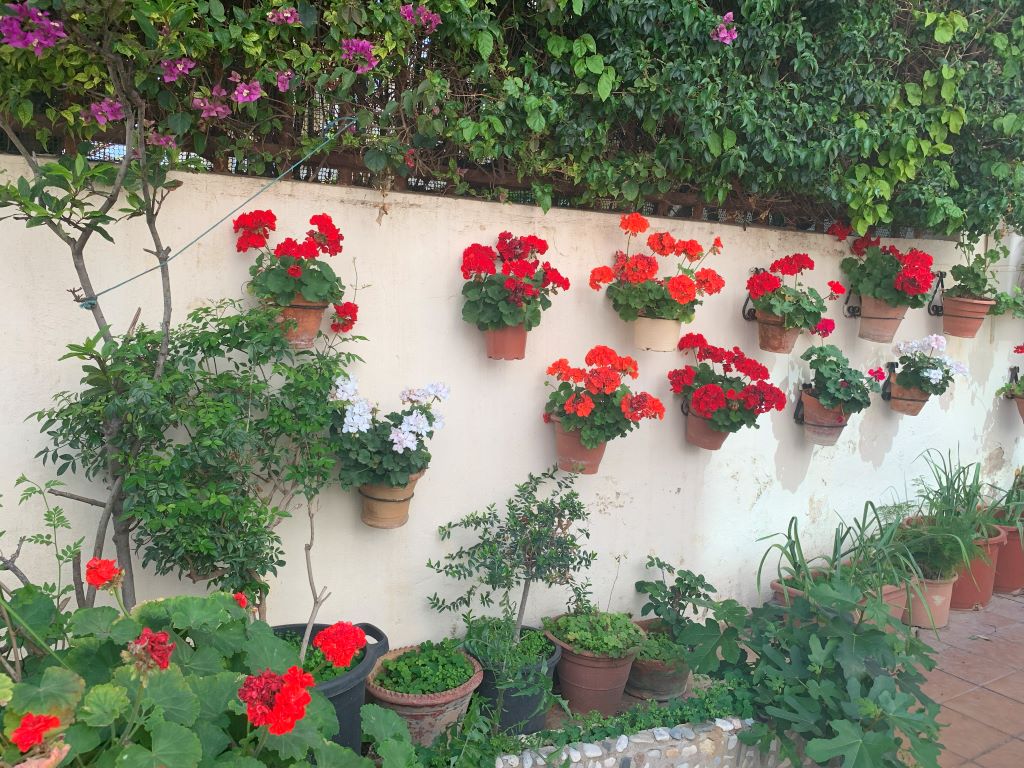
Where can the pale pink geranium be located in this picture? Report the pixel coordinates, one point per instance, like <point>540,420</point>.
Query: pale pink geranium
<point>362,49</point>
<point>247,92</point>
<point>107,111</point>
<point>284,80</point>
<point>725,32</point>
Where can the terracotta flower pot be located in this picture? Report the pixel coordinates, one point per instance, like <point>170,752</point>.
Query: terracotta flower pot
<point>506,343</point>
<point>973,590</point>
<point>822,426</point>
<point>1010,567</point>
<point>896,597</point>
<point>879,320</point>
<point>1020,406</point>
<point>773,336</point>
<point>700,433</point>
<point>592,682</point>
<point>908,400</point>
<point>963,317</point>
<point>306,317</point>
<point>653,679</point>
<point>386,506</point>
<point>573,456</point>
<point>933,611</point>
<point>656,334</point>
<point>426,714</point>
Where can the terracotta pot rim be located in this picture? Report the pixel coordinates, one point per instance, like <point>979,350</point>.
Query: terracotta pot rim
<point>990,302</point>
<point>939,582</point>
<point>422,699</point>
<point>769,318</point>
<point>412,479</point>
<point>301,303</point>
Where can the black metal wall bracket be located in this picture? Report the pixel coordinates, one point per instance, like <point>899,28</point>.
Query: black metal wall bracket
<point>748,311</point>
<point>935,309</point>
<point>798,410</point>
<point>887,384</point>
<point>1014,378</point>
<point>851,310</point>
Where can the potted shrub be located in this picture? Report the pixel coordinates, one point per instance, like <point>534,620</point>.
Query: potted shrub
<point>966,303</point>
<point>1010,568</point>
<point>384,454</point>
<point>923,372</point>
<point>836,392</point>
<point>598,649</point>
<point>939,547</point>
<point>1014,389</point>
<point>590,406</point>
<point>535,539</point>
<point>718,402</point>
<point>427,685</point>
<point>507,288</point>
<point>888,282</point>
<point>294,277</point>
<point>657,305</point>
<point>660,671</point>
<point>782,310</point>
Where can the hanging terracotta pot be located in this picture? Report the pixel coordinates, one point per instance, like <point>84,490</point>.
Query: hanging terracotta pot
<point>1020,406</point>
<point>305,317</point>
<point>573,456</point>
<point>1010,567</point>
<point>908,400</point>
<point>507,343</point>
<point>592,682</point>
<point>963,317</point>
<point>386,506</point>
<point>822,426</point>
<point>656,334</point>
<point>700,433</point>
<point>973,590</point>
<point>773,335</point>
<point>933,610</point>
<point>878,319</point>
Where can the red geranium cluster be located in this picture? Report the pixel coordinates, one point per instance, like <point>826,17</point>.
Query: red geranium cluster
<point>32,729</point>
<point>761,283</point>
<point>792,265</point>
<point>526,277</point>
<point>344,317</point>
<point>340,642</point>
<point>150,650</point>
<point>277,701</point>
<point>862,243</point>
<point>840,229</point>
<point>916,276</point>
<point>255,227</point>
<point>100,573</point>
<point>1019,349</point>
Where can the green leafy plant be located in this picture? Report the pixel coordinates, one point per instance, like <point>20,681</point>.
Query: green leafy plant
<point>1011,303</point>
<point>975,278</point>
<point>799,305</point>
<point>900,280</point>
<point>836,384</point>
<point>675,604</point>
<point>940,546</point>
<point>612,635</point>
<point>1013,388</point>
<point>428,668</point>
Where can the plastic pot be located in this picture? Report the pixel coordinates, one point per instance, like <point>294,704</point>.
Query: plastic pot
<point>963,317</point>
<point>879,320</point>
<point>933,610</point>
<point>1010,567</point>
<point>653,679</point>
<point>520,713</point>
<point>426,714</point>
<point>822,426</point>
<point>506,343</point>
<point>592,683</point>
<point>700,433</point>
<point>773,335</point>
<point>573,456</point>
<point>656,334</point>
<point>386,506</point>
<point>306,317</point>
<point>347,691</point>
<point>973,590</point>
<point>908,400</point>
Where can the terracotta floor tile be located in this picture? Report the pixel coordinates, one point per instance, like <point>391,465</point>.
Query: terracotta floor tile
<point>950,760</point>
<point>976,668</point>
<point>990,708</point>
<point>942,685</point>
<point>1009,755</point>
<point>1011,609</point>
<point>968,737</point>
<point>1013,632</point>
<point>1011,686</point>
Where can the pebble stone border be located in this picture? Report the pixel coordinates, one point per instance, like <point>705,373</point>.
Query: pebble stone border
<point>705,745</point>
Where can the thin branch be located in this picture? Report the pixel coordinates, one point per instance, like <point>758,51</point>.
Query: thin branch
<point>13,637</point>
<point>8,564</point>
<point>76,577</point>
<point>319,598</point>
<point>76,497</point>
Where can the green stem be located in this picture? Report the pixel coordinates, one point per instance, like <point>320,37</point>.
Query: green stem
<point>120,601</point>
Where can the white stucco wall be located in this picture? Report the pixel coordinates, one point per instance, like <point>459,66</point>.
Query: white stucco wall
<point>654,492</point>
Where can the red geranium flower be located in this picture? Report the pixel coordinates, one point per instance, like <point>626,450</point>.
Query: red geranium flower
<point>580,404</point>
<point>1019,349</point>
<point>690,248</point>
<point>340,642</point>
<point>634,223</point>
<point>836,288</point>
<point>295,270</point>
<point>862,243</point>
<point>241,599</point>
<point>521,268</point>
<point>840,230</point>
<point>717,245</point>
<point>345,317</point>
<point>824,328</point>
<point>553,277</point>
<point>682,289</point>
<point>326,236</point>
<point>478,260</point>
<point>761,283</point>
<point>709,282</point>
<point>151,649</point>
<point>101,573</point>
<point>642,406</point>
<point>255,227</point>
<point>639,268</point>
<point>662,243</point>
<point>31,729</point>
<point>792,265</point>
<point>878,374</point>
<point>706,400</point>
<point>692,341</point>
<point>601,275</point>
<point>913,281</point>
<point>277,701</point>
<point>682,378</point>
<point>602,380</point>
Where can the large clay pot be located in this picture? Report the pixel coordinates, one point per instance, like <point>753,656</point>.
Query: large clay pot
<point>573,456</point>
<point>936,593</point>
<point>386,506</point>
<point>772,335</point>
<point>879,320</point>
<point>908,400</point>
<point>963,317</point>
<point>305,317</point>
<point>896,597</point>
<point>700,433</point>
<point>656,334</point>
<point>506,343</point>
<point>520,712</point>
<point>822,426</point>
<point>1010,567</point>
<point>973,590</point>
<point>426,714</point>
<point>653,679</point>
<point>591,682</point>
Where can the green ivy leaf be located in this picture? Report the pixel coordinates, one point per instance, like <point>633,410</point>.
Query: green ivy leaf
<point>6,689</point>
<point>714,144</point>
<point>728,138</point>
<point>595,63</point>
<point>857,748</point>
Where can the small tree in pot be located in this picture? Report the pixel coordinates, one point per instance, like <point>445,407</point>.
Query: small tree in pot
<point>836,392</point>
<point>536,539</point>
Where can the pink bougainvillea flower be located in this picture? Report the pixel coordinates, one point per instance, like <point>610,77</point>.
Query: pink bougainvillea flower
<point>725,32</point>
<point>29,28</point>
<point>161,140</point>
<point>247,92</point>
<point>283,16</point>
<point>107,111</point>
<point>420,15</point>
<point>175,68</point>
<point>284,80</point>
<point>355,48</point>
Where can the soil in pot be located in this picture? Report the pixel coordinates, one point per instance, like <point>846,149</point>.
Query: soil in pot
<point>347,690</point>
<point>426,714</point>
<point>973,590</point>
<point>305,317</point>
<point>656,334</point>
<point>773,335</point>
<point>386,506</point>
<point>507,343</point>
<point>933,610</point>
<point>700,433</point>
<point>963,317</point>
<point>658,671</point>
<point>908,400</point>
<point>573,456</point>
<point>521,713</point>
<point>822,426</point>
<point>879,320</point>
<point>1010,566</point>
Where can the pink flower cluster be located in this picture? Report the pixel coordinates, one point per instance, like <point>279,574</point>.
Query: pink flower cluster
<point>160,140</point>
<point>422,16</point>
<point>725,32</point>
<point>214,105</point>
<point>29,28</point>
<point>284,80</point>
<point>175,68</point>
<point>282,16</point>
<point>362,49</point>
<point>245,92</point>
<point>107,111</point>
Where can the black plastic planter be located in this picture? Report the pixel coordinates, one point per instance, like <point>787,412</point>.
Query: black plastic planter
<point>347,691</point>
<point>520,713</point>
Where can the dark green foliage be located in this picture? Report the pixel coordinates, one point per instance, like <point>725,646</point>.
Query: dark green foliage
<point>487,307</point>
<point>429,668</point>
<point>835,382</point>
<point>975,278</point>
<point>874,275</point>
<point>613,635</point>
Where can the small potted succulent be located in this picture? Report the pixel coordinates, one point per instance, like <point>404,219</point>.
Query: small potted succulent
<point>966,303</point>
<point>507,288</point>
<point>384,454</point>
<point>657,305</point>
<point>718,402</point>
<point>294,277</point>
<point>428,685</point>
<point>888,282</point>
<point>590,406</point>
<point>836,392</point>
<point>1014,390</point>
<point>783,311</point>
<point>923,372</point>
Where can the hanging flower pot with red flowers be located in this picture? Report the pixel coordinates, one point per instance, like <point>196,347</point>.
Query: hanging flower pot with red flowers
<point>657,305</point>
<point>783,311</point>
<point>294,277</point>
<point>718,402</point>
<point>888,282</point>
<point>923,371</point>
<point>1014,388</point>
<point>590,406</point>
<point>836,392</point>
<point>507,288</point>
